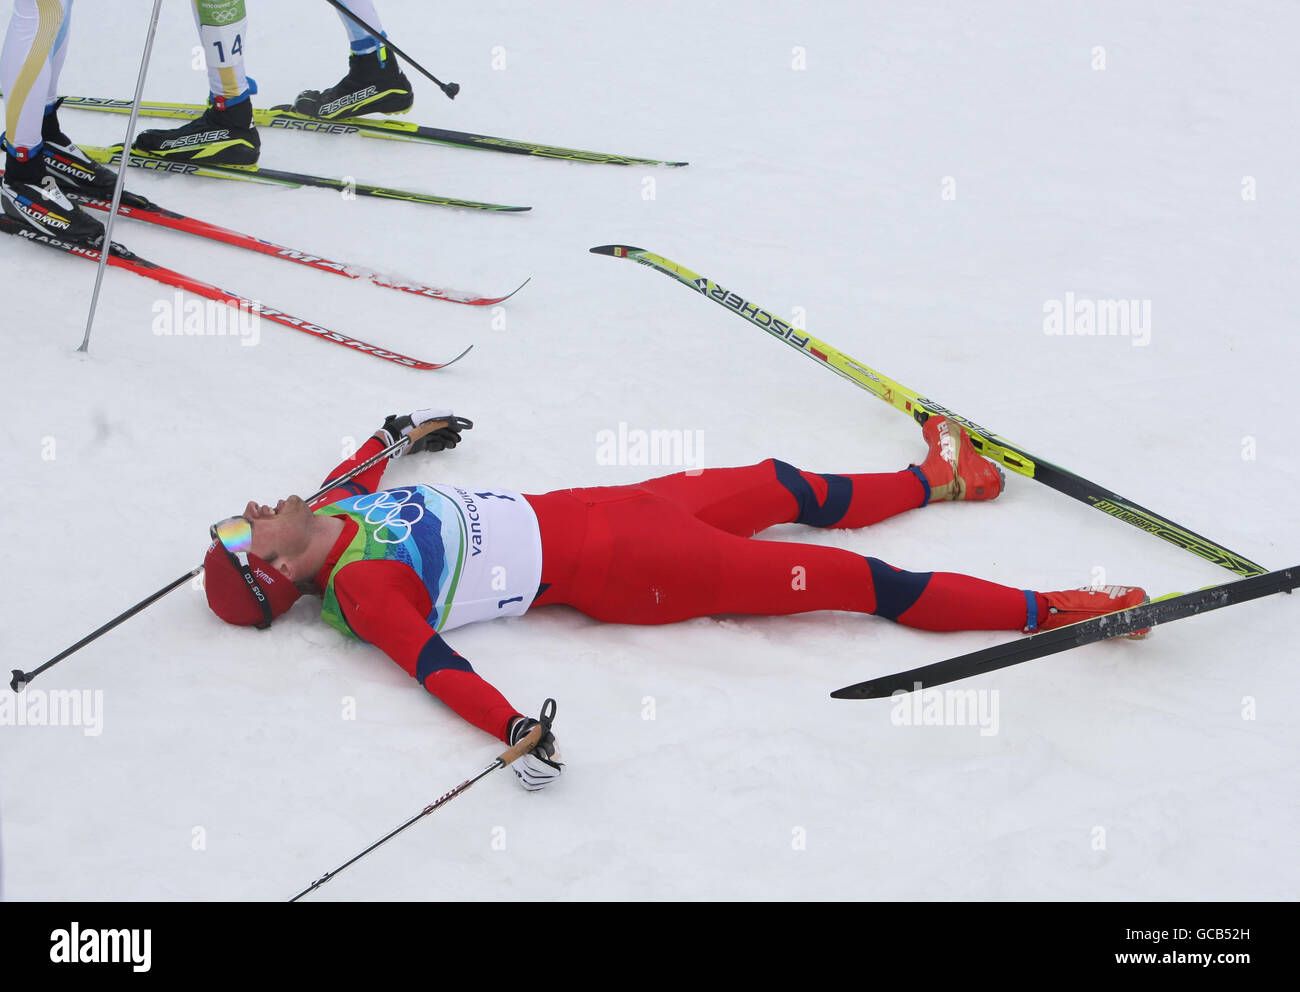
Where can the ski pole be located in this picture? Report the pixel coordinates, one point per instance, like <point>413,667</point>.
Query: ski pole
<point>20,678</point>
<point>526,744</point>
<point>121,173</point>
<point>451,89</point>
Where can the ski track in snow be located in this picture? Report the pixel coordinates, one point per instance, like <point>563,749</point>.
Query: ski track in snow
<point>1119,771</point>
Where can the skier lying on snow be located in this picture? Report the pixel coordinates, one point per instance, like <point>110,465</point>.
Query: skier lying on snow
<point>397,567</point>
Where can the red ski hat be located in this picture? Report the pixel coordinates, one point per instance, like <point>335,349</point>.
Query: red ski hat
<point>247,596</point>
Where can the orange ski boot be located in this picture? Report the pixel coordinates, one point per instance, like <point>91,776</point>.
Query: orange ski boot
<point>954,469</point>
<point>1073,605</point>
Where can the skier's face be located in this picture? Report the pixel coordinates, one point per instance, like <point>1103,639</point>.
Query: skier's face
<point>279,532</point>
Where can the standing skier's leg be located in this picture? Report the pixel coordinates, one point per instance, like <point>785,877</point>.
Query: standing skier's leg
<point>71,168</point>
<point>224,134</point>
<point>34,47</point>
<point>374,84</point>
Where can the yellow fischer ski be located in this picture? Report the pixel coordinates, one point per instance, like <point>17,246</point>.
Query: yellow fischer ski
<point>368,127</point>
<point>921,408</point>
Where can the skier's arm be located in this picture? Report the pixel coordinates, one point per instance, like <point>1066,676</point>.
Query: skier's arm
<point>394,427</point>
<point>385,604</point>
<point>366,482</point>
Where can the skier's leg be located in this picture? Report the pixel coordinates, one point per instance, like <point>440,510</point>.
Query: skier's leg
<point>58,55</point>
<point>626,556</point>
<point>362,41</point>
<point>374,84</point>
<point>223,33</point>
<point>771,577</point>
<point>30,193</point>
<point>224,134</point>
<point>36,28</point>
<point>744,501</point>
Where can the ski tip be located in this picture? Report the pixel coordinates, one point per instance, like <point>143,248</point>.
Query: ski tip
<point>456,359</point>
<point>859,690</point>
<point>488,301</point>
<point>517,288</point>
<point>618,251</point>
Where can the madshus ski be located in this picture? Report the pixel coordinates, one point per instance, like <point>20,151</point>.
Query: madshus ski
<point>1158,611</point>
<point>921,409</point>
<point>140,208</point>
<point>278,177</point>
<point>123,258</point>
<point>381,127</point>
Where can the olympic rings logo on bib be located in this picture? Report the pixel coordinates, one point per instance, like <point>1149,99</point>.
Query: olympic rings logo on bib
<point>387,510</point>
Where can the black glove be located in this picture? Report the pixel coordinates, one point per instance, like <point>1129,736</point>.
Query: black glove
<point>541,766</point>
<point>401,425</point>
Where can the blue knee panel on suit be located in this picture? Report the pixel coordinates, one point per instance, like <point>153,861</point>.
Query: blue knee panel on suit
<point>896,591</point>
<point>839,493</point>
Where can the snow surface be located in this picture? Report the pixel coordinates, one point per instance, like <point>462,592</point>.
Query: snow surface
<point>225,769</point>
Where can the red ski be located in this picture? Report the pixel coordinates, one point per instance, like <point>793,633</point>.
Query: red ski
<point>124,258</point>
<point>138,207</point>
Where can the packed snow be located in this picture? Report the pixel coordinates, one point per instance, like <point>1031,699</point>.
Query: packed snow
<point>921,185</point>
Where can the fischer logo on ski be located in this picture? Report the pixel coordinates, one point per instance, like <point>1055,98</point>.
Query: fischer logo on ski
<point>329,127</point>
<point>156,164</point>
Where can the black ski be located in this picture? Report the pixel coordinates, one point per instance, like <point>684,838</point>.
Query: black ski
<point>1173,607</point>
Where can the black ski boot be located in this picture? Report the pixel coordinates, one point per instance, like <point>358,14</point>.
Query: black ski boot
<point>375,84</point>
<point>72,168</point>
<point>31,196</point>
<point>222,137</point>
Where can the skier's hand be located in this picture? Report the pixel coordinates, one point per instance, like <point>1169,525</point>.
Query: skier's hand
<point>541,766</point>
<point>437,440</point>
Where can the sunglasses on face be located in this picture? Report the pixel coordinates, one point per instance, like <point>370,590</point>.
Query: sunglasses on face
<point>234,533</point>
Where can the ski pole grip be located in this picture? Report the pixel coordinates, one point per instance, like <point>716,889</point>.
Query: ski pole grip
<point>428,427</point>
<point>526,744</point>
